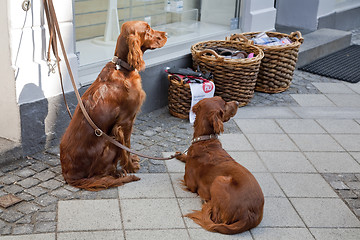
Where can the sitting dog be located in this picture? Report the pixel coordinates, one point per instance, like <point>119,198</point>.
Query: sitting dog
<point>112,101</point>
<point>233,198</point>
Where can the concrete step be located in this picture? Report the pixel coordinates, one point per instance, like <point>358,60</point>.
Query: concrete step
<point>9,151</point>
<point>321,43</point>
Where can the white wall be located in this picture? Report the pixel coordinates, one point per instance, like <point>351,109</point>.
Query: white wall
<point>29,42</point>
<point>257,15</point>
<point>10,116</point>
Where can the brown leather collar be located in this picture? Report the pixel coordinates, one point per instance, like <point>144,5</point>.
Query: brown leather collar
<point>204,138</point>
<point>121,64</point>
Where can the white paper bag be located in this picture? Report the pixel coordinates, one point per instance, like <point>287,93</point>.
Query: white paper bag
<point>200,91</point>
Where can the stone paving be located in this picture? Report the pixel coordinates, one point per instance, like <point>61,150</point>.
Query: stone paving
<point>303,146</point>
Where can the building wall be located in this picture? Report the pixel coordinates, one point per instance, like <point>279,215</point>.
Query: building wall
<point>316,14</point>
<point>257,15</point>
<point>27,83</point>
<point>29,41</point>
<point>10,116</point>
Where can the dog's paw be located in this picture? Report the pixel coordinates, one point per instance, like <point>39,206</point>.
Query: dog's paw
<point>180,156</point>
<point>134,165</point>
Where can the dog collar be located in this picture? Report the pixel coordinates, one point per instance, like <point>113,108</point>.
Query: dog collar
<point>204,138</point>
<point>121,64</point>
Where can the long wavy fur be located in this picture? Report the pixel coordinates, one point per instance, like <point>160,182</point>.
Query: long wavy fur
<point>135,55</point>
<point>101,183</point>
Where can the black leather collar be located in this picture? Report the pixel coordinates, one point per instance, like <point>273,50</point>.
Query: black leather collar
<point>121,64</point>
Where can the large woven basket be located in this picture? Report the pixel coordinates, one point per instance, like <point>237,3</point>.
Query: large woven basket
<point>234,79</point>
<point>278,65</point>
<point>179,97</point>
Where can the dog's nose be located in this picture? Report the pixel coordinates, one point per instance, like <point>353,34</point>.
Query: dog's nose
<point>237,103</point>
<point>166,34</point>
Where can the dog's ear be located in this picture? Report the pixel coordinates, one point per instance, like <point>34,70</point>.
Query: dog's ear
<point>135,55</point>
<point>216,120</point>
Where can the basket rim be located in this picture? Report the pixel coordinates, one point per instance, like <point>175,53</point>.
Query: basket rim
<point>296,40</point>
<point>218,58</point>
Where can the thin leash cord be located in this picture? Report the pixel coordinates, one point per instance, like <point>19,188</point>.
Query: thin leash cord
<point>53,44</point>
<point>54,28</point>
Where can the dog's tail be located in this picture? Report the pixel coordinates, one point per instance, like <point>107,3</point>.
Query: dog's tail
<point>101,183</point>
<point>203,218</point>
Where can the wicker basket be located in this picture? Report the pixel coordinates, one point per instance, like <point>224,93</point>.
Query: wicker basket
<point>179,97</point>
<point>278,65</point>
<point>234,79</point>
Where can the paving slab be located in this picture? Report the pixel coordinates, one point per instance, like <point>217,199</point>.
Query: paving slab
<point>333,162</point>
<point>312,100</point>
<point>268,185</point>
<point>340,125</point>
<point>304,185</point>
<point>281,233</point>
<point>150,186</point>
<point>315,142</point>
<point>158,213</point>
<point>300,126</point>
<point>333,87</point>
<point>271,142</point>
<point>249,160</point>
<point>325,212</point>
<point>258,126</point>
<point>169,234</point>
<point>356,156</point>
<point>336,233</point>
<point>235,142</point>
<point>89,215</point>
<point>350,142</point>
<point>265,112</point>
<point>98,235</point>
<point>176,179</point>
<point>345,100</point>
<point>327,112</point>
<point>174,165</point>
<point>188,205</point>
<point>278,212</point>
<point>201,234</point>
<point>354,86</point>
<point>286,162</point>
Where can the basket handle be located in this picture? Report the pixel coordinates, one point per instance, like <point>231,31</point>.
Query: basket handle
<point>239,36</point>
<point>210,51</point>
<point>297,35</point>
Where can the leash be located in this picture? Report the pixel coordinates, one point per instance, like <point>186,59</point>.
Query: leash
<point>54,31</point>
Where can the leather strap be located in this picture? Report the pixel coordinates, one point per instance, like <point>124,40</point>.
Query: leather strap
<point>204,138</point>
<point>54,30</point>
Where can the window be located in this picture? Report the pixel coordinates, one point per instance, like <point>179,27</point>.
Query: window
<point>98,22</point>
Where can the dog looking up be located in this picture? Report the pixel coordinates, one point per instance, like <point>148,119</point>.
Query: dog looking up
<point>112,101</point>
<point>233,198</point>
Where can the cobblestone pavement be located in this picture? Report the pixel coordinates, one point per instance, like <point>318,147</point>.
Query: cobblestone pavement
<point>38,181</point>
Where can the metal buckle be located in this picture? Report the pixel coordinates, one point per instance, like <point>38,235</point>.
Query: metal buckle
<point>98,132</point>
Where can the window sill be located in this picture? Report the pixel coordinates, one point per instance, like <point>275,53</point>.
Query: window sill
<point>175,48</point>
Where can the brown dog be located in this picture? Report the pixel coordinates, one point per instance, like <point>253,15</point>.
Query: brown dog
<point>112,101</point>
<point>233,198</point>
